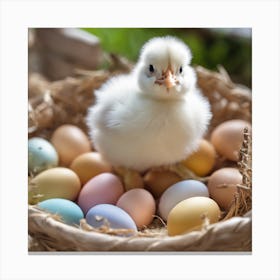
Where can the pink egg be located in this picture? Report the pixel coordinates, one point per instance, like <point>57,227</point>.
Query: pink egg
<point>105,188</point>
<point>139,204</point>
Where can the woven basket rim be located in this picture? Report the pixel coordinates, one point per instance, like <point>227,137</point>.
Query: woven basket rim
<point>84,240</point>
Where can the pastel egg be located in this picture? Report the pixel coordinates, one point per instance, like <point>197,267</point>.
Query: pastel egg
<point>69,211</point>
<point>178,192</point>
<point>88,165</point>
<point>70,141</point>
<point>58,182</point>
<point>222,186</point>
<point>190,214</point>
<point>139,204</point>
<point>41,155</point>
<point>105,188</point>
<point>227,138</point>
<point>111,216</point>
<point>202,160</point>
<point>158,181</point>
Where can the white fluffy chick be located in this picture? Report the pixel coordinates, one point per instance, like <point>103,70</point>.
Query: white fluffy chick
<point>153,116</point>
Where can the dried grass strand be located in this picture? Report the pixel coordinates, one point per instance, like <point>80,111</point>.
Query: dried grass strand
<point>243,198</point>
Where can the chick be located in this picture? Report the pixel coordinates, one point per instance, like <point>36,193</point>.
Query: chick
<point>153,116</point>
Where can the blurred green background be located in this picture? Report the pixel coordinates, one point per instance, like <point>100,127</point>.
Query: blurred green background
<point>229,47</point>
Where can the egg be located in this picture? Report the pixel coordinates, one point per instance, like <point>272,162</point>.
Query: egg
<point>139,204</point>
<point>190,214</point>
<point>229,177</point>
<point>70,141</point>
<point>41,155</point>
<point>158,181</point>
<point>201,161</point>
<point>88,165</point>
<point>111,216</point>
<point>58,182</point>
<point>227,138</point>
<point>178,192</point>
<point>105,188</point>
<point>69,211</point>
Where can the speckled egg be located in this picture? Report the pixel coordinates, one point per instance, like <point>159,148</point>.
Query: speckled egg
<point>41,155</point>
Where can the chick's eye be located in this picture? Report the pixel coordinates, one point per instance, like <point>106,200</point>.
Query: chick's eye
<point>181,69</point>
<point>151,68</point>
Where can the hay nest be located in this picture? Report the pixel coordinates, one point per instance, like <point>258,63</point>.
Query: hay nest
<point>52,104</point>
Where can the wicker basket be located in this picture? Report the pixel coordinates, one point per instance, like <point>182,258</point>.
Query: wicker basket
<point>66,101</point>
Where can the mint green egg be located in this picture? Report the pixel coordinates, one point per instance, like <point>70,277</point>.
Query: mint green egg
<point>69,211</point>
<point>41,155</point>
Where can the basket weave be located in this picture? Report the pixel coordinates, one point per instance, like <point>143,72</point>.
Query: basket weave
<point>51,235</point>
<point>54,103</point>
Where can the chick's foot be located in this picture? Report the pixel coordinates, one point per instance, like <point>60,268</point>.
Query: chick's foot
<point>130,178</point>
<point>183,172</point>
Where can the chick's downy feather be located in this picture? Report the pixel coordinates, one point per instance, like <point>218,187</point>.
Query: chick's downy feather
<point>153,116</point>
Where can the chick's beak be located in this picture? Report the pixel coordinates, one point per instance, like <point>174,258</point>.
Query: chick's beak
<point>169,80</point>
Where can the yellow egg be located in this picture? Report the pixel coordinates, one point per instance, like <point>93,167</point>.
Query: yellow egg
<point>70,141</point>
<point>190,214</point>
<point>202,160</point>
<point>88,165</point>
<point>59,182</point>
<point>227,138</point>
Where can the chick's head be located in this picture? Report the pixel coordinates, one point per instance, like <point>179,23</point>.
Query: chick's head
<point>163,69</point>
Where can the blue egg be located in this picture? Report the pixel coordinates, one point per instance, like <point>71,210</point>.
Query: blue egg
<point>69,211</point>
<point>41,155</point>
<point>111,215</point>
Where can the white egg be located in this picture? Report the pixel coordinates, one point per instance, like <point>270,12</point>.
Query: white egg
<point>179,192</point>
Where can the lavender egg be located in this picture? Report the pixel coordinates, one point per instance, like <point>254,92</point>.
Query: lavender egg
<point>110,215</point>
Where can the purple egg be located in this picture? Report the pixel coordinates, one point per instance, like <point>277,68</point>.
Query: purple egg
<point>111,215</point>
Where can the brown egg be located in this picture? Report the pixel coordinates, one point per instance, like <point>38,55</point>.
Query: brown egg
<point>202,160</point>
<point>139,204</point>
<point>224,195</point>
<point>227,138</point>
<point>70,142</point>
<point>158,181</point>
<point>88,165</point>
